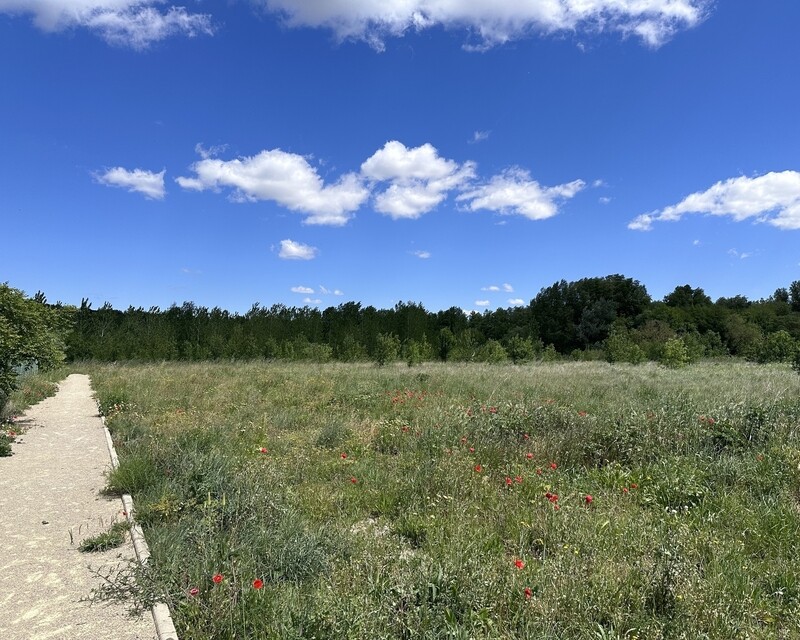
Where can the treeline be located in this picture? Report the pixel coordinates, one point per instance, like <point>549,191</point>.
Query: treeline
<point>612,317</point>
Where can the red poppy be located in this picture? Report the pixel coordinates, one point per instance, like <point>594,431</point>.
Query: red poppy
<point>538,472</point>
<point>404,429</point>
<point>492,409</point>
<point>463,439</point>
<point>519,564</point>
<point>553,466</point>
<point>217,578</point>
<point>354,480</point>
<point>528,593</point>
<point>194,591</point>
<point>556,507</point>
<point>257,584</point>
<point>624,489</point>
<point>478,468</point>
<point>472,449</point>
<point>509,481</point>
<point>582,414</point>
<point>588,499</point>
<point>518,479</point>
<point>529,456</point>
<point>263,450</point>
<point>343,455</point>
<point>525,436</point>
<point>634,485</point>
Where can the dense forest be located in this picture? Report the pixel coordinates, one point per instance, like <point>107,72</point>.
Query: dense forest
<point>610,317</point>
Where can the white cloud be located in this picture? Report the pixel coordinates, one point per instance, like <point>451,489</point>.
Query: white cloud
<point>516,301</point>
<point>131,23</point>
<point>508,288</point>
<point>493,22</point>
<point>479,136</point>
<point>301,289</point>
<point>696,243</point>
<point>323,290</point>
<point>492,287</point>
<point>149,183</point>
<point>482,303</point>
<point>737,254</point>
<point>598,183</point>
<point>291,250</point>
<point>422,255</point>
<point>338,292</point>
<point>604,200</point>
<point>209,152</point>
<point>773,198</point>
<point>419,178</point>
<point>310,301</point>
<point>285,178</point>
<point>514,192</point>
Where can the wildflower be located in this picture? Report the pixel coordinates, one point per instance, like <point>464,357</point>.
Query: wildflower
<point>529,456</point>
<point>588,499</point>
<point>217,578</point>
<point>634,485</point>
<point>519,564</point>
<point>553,466</point>
<point>263,450</point>
<point>538,472</point>
<point>404,429</point>
<point>582,414</point>
<point>525,436</point>
<point>343,455</point>
<point>556,507</point>
<point>463,439</point>
<point>257,583</point>
<point>194,591</point>
<point>472,449</point>
<point>528,593</point>
<point>478,468</point>
<point>492,409</point>
<point>354,480</point>
<point>509,481</point>
<point>624,489</point>
<point>518,479</point>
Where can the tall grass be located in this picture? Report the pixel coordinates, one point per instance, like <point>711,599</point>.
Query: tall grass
<point>577,500</point>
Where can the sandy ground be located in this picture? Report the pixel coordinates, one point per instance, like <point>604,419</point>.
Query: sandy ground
<point>49,502</point>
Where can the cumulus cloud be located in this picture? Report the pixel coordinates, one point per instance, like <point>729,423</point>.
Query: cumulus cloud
<point>130,23</point>
<point>149,183</point>
<point>419,179</point>
<point>482,303</point>
<point>291,250</point>
<point>516,301</point>
<point>338,292</point>
<point>310,301</point>
<point>493,22</point>
<point>422,255</point>
<point>301,289</point>
<point>285,178</point>
<point>773,198</point>
<point>515,192</point>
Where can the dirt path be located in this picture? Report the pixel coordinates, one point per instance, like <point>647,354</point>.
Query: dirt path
<point>50,502</point>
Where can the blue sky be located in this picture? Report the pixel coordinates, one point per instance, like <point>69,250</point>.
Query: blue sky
<point>448,152</point>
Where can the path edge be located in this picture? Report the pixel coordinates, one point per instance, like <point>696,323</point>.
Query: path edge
<point>162,618</point>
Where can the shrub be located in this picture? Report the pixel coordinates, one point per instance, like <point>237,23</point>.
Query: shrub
<point>675,354</point>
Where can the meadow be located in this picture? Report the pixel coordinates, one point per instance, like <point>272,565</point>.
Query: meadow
<point>551,500</point>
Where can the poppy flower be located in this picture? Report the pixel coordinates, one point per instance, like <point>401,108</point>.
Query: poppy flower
<point>624,489</point>
<point>343,455</point>
<point>634,485</point>
<point>217,578</point>
<point>257,583</point>
<point>518,479</point>
<point>472,449</point>
<point>478,468</point>
<point>463,439</point>
<point>519,564</point>
<point>556,507</point>
<point>263,450</point>
<point>194,591</point>
<point>529,456</point>
<point>528,593</point>
<point>525,436</point>
<point>509,481</point>
<point>492,409</point>
<point>582,414</point>
<point>588,499</point>
<point>354,480</point>
<point>553,466</point>
<point>538,472</point>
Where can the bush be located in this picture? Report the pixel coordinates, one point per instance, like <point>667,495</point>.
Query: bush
<point>675,354</point>
<point>387,348</point>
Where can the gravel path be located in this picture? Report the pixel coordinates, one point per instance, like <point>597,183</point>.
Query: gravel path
<point>49,502</point>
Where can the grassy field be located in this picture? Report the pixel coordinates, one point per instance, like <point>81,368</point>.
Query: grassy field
<point>562,500</point>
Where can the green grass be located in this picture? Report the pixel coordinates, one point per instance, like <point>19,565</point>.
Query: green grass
<point>366,516</point>
<point>111,539</point>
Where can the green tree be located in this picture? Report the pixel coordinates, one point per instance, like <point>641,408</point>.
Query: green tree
<point>31,333</point>
<point>675,354</point>
<point>387,348</point>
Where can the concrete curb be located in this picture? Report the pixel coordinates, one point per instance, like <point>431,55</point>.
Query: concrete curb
<point>162,618</point>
